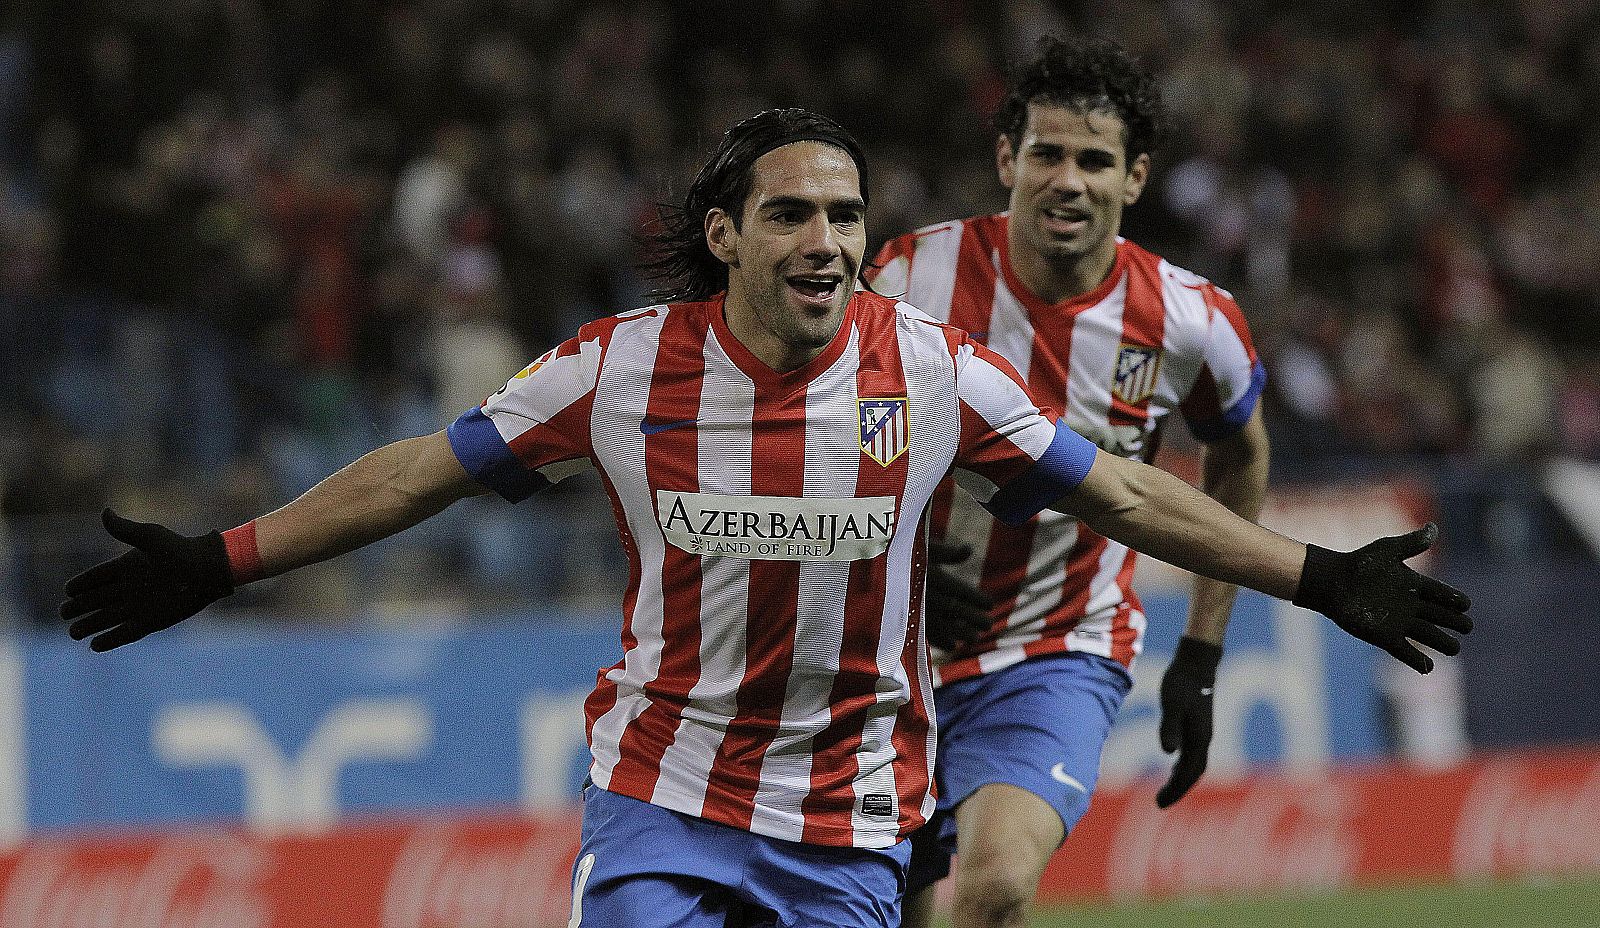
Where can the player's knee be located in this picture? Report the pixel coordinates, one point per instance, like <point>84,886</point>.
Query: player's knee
<point>991,895</point>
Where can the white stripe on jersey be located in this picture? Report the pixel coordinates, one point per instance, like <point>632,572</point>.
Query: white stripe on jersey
<point>830,471</point>
<point>727,398</point>
<point>1096,336</point>
<point>626,378</point>
<point>1010,333</point>
<point>1047,569</point>
<point>568,377</point>
<point>940,250</point>
<point>993,398</point>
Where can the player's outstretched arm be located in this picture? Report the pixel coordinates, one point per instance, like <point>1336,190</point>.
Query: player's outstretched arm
<point>384,492</point>
<point>166,577</point>
<point>1369,592</point>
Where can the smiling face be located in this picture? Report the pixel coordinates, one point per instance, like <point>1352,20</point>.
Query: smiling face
<point>1069,179</point>
<point>794,253</point>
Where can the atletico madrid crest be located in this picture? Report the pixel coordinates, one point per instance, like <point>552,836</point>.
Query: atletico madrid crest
<point>1135,377</point>
<point>884,428</point>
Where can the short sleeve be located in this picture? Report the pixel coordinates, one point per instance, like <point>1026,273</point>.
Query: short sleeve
<point>1228,387</point>
<point>1014,458</point>
<point>534,431</point>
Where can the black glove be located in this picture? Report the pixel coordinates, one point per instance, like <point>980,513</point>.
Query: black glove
<point>957,612</point>
<point>1369,593</point>
<point>166,578</point>
<point>1186,714</point>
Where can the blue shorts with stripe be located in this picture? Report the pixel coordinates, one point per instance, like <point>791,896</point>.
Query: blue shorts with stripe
<point>643,866</point>
<point>1039,725</point>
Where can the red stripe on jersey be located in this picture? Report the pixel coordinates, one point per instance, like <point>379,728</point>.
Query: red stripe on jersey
<point>1005,563</point>
<point>1144,315</point>
<point>1083,561</point>
<point>778,449</point>
<point>971,304</point>
<point>564,437</point>
<point>1222,303</point>
<point>834,768</point>
<point>1123,634</point>
<point>900,247</point>
<point>972,301</point>
<point>944,498</point>
<point>994,456</point>
<point>672,463</point>
<point>604,695</point>
<point>1005,567</point>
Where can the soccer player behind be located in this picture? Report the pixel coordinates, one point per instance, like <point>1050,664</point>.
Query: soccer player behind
<point>770,442</point>
<point>1041,618</point>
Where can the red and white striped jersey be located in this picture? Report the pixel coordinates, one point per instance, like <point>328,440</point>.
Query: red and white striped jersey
<point>1151,339</point>
<point>774,674</point>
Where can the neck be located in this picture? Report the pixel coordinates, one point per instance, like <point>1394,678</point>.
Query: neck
<point>769,349</point>
<point>1054,281</point>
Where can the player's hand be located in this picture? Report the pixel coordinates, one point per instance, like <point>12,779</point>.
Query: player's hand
<point>1372,595</point>
<point>958,613</point>
<point>1186,690</point>
<point>164,579</point>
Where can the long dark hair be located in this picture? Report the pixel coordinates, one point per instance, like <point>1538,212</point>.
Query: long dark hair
<point>678,255</point>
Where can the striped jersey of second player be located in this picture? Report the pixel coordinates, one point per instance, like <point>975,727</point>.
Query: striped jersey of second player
<point>774,674</point>
<point>1151,339</point>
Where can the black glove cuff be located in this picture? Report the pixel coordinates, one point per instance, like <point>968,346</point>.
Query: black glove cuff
<point>1198,654</point>
<point>209,556</point>
<point>1324,580</point>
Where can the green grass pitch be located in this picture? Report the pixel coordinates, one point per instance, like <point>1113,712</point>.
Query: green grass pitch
<point>1562,904</point>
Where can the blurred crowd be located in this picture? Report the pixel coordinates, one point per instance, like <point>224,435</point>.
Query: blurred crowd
<point>244,241</point>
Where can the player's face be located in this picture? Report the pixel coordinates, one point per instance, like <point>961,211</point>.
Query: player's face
<point>1069,180</point>
<point>793,258</point>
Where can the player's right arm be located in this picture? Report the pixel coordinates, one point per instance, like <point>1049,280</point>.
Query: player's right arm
<point>531,433</point>
<point>384,492</point>
<point>166,577</point>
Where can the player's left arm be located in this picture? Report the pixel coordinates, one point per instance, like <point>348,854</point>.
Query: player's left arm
<point>1020,462</point>
<point>1233,471</point>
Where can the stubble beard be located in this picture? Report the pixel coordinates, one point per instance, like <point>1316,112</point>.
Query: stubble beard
<point>796,328</point>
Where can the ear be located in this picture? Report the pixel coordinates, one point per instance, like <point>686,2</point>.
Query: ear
<point>721,236</point>
<point>1005,161</point>
<point>1138,174</point>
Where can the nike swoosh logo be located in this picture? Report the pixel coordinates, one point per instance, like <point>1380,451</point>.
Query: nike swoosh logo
<point>1059,771</point>
<point>651,428</point>
<point>1205,691</point>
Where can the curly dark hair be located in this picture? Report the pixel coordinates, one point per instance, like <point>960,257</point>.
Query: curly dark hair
<point>1085,74</point>
<point>678,254</point>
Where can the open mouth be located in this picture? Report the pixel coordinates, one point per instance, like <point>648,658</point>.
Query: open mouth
<point>815,288</point>
<point>1066,219</point>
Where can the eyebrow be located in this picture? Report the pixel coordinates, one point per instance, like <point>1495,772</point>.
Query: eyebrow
<point>855,203</point>
<point>1058,147</point>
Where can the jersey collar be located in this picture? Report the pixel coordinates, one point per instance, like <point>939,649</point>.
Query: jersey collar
<point>766,379</point>
<point>1072,305</point>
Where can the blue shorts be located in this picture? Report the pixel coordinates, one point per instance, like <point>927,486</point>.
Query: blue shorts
<point>643,866</point>
<point>1039,725</point>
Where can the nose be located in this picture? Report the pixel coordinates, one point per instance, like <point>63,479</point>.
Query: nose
<point>819,242</point>
<point>1068,179</point>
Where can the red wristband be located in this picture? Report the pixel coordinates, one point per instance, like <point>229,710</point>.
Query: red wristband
<point>244,560</point>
